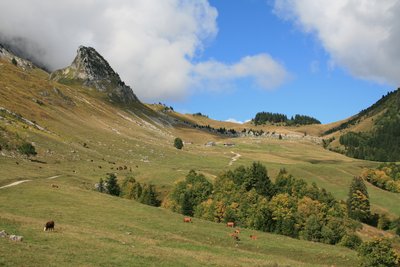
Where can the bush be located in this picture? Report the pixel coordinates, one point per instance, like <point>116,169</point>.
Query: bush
<point>27,149</point>
<point>178,143</point>
<point>14,61</point>
<point>383,222</point>
<point>378,252</point>
<point>352,241</point>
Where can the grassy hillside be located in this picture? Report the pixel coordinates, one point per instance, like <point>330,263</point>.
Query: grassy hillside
<point>94,229</point>
<point>372,134</point>
<point>80,137</point>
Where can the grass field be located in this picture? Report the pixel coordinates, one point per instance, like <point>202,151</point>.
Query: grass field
<point>86,137</point>
<point>94,229</point>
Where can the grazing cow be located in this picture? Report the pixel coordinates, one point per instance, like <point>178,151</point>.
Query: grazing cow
<point>49,226</point>
<point>237,231</point>
<point>254,237</point>
<point>187,220</point>
<point>54,185</point>
<point>230,224</point>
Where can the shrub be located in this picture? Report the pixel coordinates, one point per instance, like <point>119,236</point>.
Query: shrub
<point>352,241</point>
<point>14,61</point>
<point>178,143</point>
<point>378,252</point>
<point>27,149</point>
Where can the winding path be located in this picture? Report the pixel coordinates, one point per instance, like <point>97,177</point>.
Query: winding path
<point>234,158</point>
<point>15,183</point>
<point>24,181</point>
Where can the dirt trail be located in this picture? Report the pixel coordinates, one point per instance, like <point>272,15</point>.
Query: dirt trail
<point>15,183</point>
<point>53,177</point>
<point>234,158</point>
<point>23,181</point>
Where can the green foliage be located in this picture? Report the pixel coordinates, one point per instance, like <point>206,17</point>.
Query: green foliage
<point>191,192</point>
<point>178,143</point>
<point>27,149</point>
<point>146,194</point>
<point>14,61</point>
<point>131,189</point>
<point>199,114</point>
<point>149,195</point>
<point>383,222</point>
<point>303,120</point>
<point>268,117</point>
<point>247,197</point>
<point>111,185</point>
<point>382,143</point>
<point>352,241</point>
<point>312,229</point>
<point>378,253</point>
<point>358,206</point>
<point>256,177</point>
<point>386,177</point>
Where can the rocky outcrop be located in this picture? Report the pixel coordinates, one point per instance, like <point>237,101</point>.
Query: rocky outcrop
<point>16,238</point>
<point>8,55</point>
<point>91,69</point>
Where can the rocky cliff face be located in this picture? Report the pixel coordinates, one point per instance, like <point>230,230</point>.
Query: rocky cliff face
<point>92,70</point>
<point>6,54</point>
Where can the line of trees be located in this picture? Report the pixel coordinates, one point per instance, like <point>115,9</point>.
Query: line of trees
<point>248,197</point>
<point>130,189</point>
<point>386,176</point>
<point>269,117</point>
<point>382,144</point>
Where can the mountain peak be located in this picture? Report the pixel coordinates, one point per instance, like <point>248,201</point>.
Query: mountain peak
<point>92,70</point>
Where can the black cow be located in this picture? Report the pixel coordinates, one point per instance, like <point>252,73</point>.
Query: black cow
<point>49,226</point>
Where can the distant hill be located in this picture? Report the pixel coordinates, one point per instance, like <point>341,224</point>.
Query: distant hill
<point>372,134</point>
<point>268,117</point>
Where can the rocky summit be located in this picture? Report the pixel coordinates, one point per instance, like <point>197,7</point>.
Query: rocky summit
<point>92,70</point>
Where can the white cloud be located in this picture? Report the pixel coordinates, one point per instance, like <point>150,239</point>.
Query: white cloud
<point>234,121</point>
<point>262,68</point>
<point>151,43</point>
<point>361,35</point>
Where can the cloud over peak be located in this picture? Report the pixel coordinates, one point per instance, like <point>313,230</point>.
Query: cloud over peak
<point>150,43</point>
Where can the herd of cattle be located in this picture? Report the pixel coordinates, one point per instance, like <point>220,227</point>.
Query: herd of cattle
<point>234,235</point>
<point>49,226</point>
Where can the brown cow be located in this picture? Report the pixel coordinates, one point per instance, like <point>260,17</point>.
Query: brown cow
<point>49,226</point>
<point>237,231</point>
<point>254,237</point>
<point>230,224</point>
<point>54,185</point>
<point>187,220</point>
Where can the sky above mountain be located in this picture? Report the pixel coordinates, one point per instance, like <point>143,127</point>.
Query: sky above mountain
<point>226,59</point>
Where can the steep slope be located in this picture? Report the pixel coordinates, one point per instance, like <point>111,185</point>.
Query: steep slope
<point>80,136</point>
<point>372,134</point>
<point>92,70</point>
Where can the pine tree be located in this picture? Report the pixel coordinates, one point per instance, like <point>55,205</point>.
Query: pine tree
<point>112,186</point>
<point>358,206</point>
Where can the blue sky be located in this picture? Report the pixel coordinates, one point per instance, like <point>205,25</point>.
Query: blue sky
<point>315,88</point>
